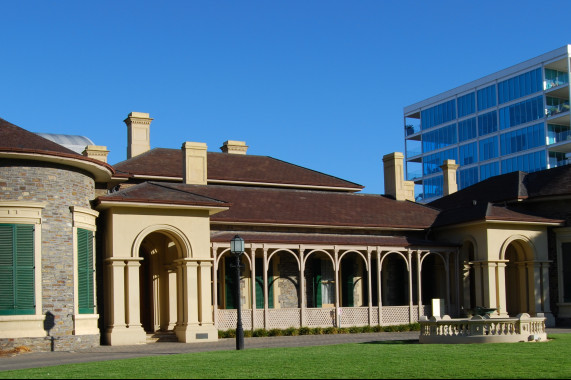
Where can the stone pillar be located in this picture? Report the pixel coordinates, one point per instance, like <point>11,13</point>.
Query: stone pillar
<point>133,314</point>
<point>490,285</point>
<point>187,329</point>
<point>125,324</point>
<point>205,303</point>
<point>479,288</point>
<point>369,287</point>
<point>502,302</point>
<point>172,290</point>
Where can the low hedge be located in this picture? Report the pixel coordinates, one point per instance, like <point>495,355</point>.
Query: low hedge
<point>292,331</point>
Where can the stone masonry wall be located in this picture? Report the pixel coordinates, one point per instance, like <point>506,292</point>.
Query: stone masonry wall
<point>59,187</point>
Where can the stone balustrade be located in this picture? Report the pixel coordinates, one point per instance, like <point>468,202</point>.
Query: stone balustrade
<point>483,329</point>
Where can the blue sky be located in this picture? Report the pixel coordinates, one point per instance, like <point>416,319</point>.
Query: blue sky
<point>321,84</point>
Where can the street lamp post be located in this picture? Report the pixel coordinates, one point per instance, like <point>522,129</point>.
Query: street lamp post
<point>237,249</point>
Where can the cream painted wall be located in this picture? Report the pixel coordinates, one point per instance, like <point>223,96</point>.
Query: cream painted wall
<point>129,226</point>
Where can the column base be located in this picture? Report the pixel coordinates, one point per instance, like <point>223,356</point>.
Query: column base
<point>196,333</point>
<point>125,336</point>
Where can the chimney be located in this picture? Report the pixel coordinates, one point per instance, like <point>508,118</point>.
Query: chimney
<point>449,170</point>
<point>138,133</point>
<point>234,147</point>
<point>194,163</point>
<point>97,152</point>
<point>395,185</point>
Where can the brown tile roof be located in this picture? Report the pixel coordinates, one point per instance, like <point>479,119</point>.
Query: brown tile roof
<point>484,211</point>
<point>503,197</point>
<point>255,205</point>
<point>16,139</point>
<point>322,239</point>
<point>159,193</point>
<point>17,142</point>
<point>500,188</point>
<point>163,162</point>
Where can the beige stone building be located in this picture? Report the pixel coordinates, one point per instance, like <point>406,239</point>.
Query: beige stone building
<point>118,253</point>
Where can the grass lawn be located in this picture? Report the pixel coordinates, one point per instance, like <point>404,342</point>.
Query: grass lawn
<point>541,360</point>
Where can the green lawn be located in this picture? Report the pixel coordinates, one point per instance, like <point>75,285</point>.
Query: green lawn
<point>539,360</point>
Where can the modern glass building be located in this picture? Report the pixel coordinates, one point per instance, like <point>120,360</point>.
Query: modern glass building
<point>515,119</point>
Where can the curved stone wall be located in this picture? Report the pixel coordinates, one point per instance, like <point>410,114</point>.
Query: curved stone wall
<point>59,187</point>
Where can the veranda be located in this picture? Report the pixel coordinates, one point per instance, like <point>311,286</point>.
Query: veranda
<point>343,286</point>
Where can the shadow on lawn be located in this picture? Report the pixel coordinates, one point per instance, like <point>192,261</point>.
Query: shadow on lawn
<point>408,341</point>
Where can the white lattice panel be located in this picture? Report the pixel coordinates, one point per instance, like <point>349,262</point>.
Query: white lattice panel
<point>259,319</point>
<point>283,318</point>
<point>354,316</point>
<point>375,316</point>
<point>227,319</point>
<point>414,314</point>
<point>395,315</point>
<point>317,317</point>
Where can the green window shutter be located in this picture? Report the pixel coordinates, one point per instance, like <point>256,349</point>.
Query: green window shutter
<point>259,284</point>
<point>85,271</point>
<point>17,272</point>
<point>271,286</point>
<point>317,283</point>
<point>229,282</point>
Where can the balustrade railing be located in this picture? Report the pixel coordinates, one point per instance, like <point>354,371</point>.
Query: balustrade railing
<point>480,329</point>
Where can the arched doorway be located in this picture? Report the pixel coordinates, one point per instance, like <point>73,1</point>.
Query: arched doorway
<point>158,282</point>
<point>519,279</point>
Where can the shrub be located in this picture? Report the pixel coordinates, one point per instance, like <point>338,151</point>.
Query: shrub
<point>305,331</point>
<point>330,330</point>
<point>317,331</point>
<point>276,332</point>
<point>291,331</point>
<point>247,333</point>
<point>260,333</point>
<point>343,330</point>
<point>355,330</point>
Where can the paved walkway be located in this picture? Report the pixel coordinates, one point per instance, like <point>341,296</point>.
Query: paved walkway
<point>102,353</point>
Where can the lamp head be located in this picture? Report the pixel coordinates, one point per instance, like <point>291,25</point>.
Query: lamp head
<point>237,245</point>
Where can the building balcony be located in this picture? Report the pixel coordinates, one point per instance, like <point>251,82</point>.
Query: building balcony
<point>554,110</point>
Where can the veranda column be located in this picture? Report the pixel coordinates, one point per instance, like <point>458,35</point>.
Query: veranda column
<point>302,286</point>
<point>337,284</point>
<point>369,287</point>
<point>501,276</point>
<point>537,291</point>
<point>253,287</point>
<point>418,284</point>
<point>410,305</point>
<point>133,293</point>
<point>379,295</point>
<point>265,250</point>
